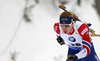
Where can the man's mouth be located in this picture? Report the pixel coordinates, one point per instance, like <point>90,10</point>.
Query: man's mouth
<point>65,32</point>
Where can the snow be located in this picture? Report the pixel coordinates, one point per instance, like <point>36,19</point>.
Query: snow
<point>36,40</point>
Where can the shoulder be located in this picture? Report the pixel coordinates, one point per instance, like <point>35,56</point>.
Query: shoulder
<point>82,27</point>
<point>78,24</point>
<point>56,28</point>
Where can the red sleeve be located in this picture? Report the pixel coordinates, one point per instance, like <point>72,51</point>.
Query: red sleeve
<point>56,28</point>
<point>84,32</point>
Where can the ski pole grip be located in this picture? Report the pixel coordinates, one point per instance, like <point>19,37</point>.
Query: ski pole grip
<point>62,6</point>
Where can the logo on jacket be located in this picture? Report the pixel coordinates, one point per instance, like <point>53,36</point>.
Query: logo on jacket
<point>72,39</point>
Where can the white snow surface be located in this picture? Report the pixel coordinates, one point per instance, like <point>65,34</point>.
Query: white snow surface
<point>36,40</point>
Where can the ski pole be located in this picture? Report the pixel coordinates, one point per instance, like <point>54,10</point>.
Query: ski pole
<point>64,8</point>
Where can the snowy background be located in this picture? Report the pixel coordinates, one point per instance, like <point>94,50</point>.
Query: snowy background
<point>36,40</point>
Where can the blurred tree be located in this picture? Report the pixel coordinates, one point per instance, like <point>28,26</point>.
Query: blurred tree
<point>26,16</point>
<point>54,4</point>
<point>37,1</point>
<point>98,6</point>
<point>27,10</point>
<point>13,55</point>
<point>63,1</point>
<point>79,2</point>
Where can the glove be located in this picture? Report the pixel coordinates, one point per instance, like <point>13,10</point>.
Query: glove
<point>72,58</point>
<point>60,40</point>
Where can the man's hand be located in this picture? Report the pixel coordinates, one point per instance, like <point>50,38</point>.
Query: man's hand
<point>60,40</point>
<point>72,58</point>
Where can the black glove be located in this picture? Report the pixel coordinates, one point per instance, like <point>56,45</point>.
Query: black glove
<point>60,40</point>
<point>72,58</point>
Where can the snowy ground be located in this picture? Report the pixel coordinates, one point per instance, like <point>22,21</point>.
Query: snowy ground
<point>36,41</point>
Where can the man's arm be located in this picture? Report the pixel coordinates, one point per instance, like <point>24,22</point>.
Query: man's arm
<point>86,43</point>
<point>57,30</point>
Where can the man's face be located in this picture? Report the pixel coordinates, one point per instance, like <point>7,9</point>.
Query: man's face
<point>66,28</point>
